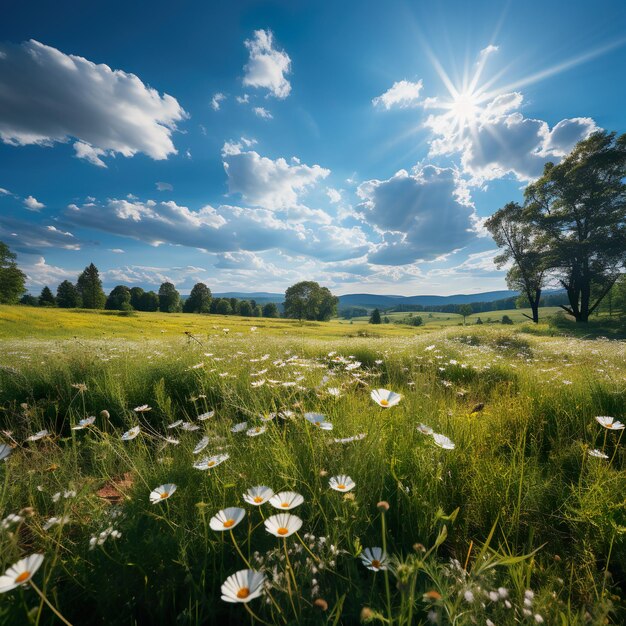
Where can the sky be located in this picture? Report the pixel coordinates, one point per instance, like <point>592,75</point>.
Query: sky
<point>250,145</point>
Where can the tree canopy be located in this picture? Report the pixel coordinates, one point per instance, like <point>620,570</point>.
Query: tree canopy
<point>68,296</point>
<point>199,300</point>
<point>169,298</point>
<point>12,279</point>
<point>89,287</point>
<point>306,300</point>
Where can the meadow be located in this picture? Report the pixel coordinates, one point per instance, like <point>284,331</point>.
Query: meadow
<point>482,490</point>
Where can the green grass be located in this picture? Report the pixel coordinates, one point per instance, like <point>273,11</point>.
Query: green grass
<point>518,504</point>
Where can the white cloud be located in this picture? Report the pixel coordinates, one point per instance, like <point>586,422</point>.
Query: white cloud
<point>164,186</point>
<point>216,100</point>
<point>32,238</point>
<point>47,96</point>
<point>267,66</point>
<point>267,183</point>
<point>40,274</point>
<point>485,52</point>
<point>5,192</point>
<point>32,204</point>
<point>262,112</point>
<point>117,251</point>
<point>243,99</point>
<point>421,215</point>
<point>401,94</point>
<point>334,195</point>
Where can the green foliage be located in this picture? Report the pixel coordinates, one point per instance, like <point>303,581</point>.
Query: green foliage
<point>12,279</point>
<point>89,287</point>
<point>270,310</point>
<point>465,310</point>
<point>148,301</point>
<point>119,299</point>
<point>46,297</point>
<point>136,295</point>
<point>375,317</point>
<point>68,296</point>
<point>223,307</point>
<point>306,300</point>
<point>506,320</point>
<point>169,299</point>
<point>29,300</point>
<point>244,308</point>
<point>199,300</point>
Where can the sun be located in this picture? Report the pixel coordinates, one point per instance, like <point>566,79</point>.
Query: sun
<point>464,108</point>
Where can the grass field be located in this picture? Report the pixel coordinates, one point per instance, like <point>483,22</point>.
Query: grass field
<point>512,511</point>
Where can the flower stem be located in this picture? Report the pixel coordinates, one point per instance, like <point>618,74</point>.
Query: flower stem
<point>52,608</point>
<point>386,572</point>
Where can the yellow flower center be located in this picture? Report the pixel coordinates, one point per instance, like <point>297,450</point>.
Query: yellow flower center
<point>384,402</point>
<point>317,423</point>
<point>164,495</point>
<point>228,523</point>
<point>211,463</point>
<point>243,593</point>
<point>283,531</point>
<point>285,505</point>
<point>376,563</point>
<point>341,486</point>
<point>258,499</point>
<point>23,577</point>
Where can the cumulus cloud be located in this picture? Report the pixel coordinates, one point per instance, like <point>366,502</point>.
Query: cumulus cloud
<point>32,204</point>
<point>422,215</point>
<point>243,99</point>
<point>401,94</point>
<point>47,96</point>
<point>5,192</point>
<point>217,100</point>
<point>334,195</point>
<point>263,113</point>
<point>267,66</point>
<point>271,184</point>
<point>40,274</point>
<point>164,186</point>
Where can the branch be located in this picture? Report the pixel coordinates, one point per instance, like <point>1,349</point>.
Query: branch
<point>567,310</point>
<point>528,316</point>
<point>593,308</point>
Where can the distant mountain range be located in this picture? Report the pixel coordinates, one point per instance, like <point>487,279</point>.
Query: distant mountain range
<point>371,300</point>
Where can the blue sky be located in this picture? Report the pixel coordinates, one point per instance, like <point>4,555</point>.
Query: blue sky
<point>250,145</point>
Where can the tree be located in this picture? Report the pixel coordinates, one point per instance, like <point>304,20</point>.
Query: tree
<point>68,296</point>
<point>375,317</point>
<point>89,287</point>
<point>270,310</point>
<point>233,304</point>
<point>507,320</point>
<point>258,311</point>
<point>119,299</point>
<point>199,300</point>
<point>46,298</point>
<point>520,244</point>
<point>479,321</point>
<point>244,308</point>
<point>136,294</point>
<point>465,310</point>
<point>12,279</point>
<point>149,302</point>
<point>579,209</point>
<point>169,298</point>
<point>28,300</point>
<point>307,300</point>
<point>416,320</point>
<point>223,307</point>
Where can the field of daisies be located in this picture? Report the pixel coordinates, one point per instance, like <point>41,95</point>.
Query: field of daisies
<point>468,476</point>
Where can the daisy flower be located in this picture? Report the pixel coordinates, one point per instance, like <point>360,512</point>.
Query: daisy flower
<point>237,428</point>
<point>142,409</point>
<point>609,422</point>
<point>598,454</point>
<point>162,493</point>
<point>443,442</point>
<point>283,524</point>
<point>206,416</point>
<point>209,462</point>
<point>286,500</point>
<point>175,424</point>
<point>333,391</point>
<point>342,483</point>
<point>358,437</point>
<point>425,430</point>
<point>243,586</point>
<point>226,519</point>
<point>21,572</point>
<point>87,421</point>
<point>202,444</point>
<point>255,431</point>
<point>319,420</point>
<point>189,426</point>
<point>40,435</point>
<point>385,398</point>
<point>374,559</point>
<point>131,434</point>
<point>5,451</point>
<point>258,495</point>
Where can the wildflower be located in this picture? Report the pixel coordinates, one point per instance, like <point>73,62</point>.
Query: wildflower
<point>175,424</point>
<point>209,462</point>
<point>142,409</point>
<point>40,435</point>
<point>162,493</point>
<point>385,398</point>
<point>206,416</point>
<point>598,454</point>
<point>80,386</point>
<point>342,483</point>
<point>609,422</point>
<point>255,431</point>
<point>425,430</point>
<point>188,426</point>
<point>432,596</point>
<point>10,520</point>
<point>202,444</point>
<point>286,500</point>
<point>131,434</point>
<point>469,596</point>
<point>21,572</point>
<point>319,420</point>
<point>258,495</point>
<point>243,586</point>
<point>321,604</point>
<point>87,421</point>
<point>56,521</point>
<point>5,451</point>
<point>171,440</point>
<point>374,559</point>
<point>237,428</point>
<point>227,518</point>
<point>283,524</point>
<point>104,414</point>
<point>351,439</point>
<point>258,383</point>
<point>538,618</point>
<point>443,442</point>
<point>383,506</point>
<point>334,391</point>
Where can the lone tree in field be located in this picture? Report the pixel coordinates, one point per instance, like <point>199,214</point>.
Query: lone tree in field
<point>89,287</point>
<point>169,298</point>
<point>199,300</point>
<point>68,296</point>
<point>578,207</point>
<point>12,279</point>
<point>46,298</point>
<point>375,317</point>
<point>465,310</point>
<point>519,243</point>
<point>308,301</point>
<point>119,299</point>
